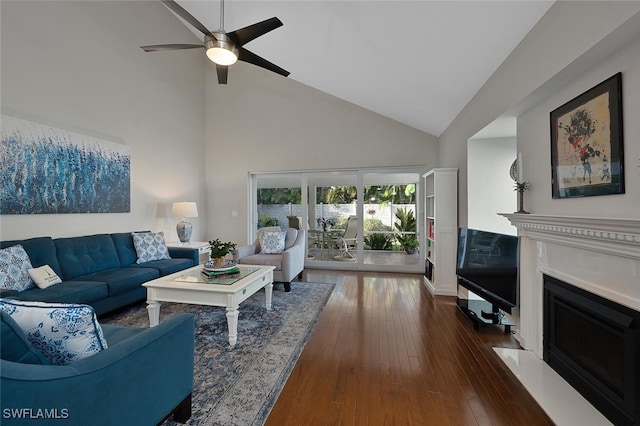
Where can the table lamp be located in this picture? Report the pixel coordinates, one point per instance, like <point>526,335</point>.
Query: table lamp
<point>184,209</point>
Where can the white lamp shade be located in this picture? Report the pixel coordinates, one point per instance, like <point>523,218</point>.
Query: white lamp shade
<point>184,209</point>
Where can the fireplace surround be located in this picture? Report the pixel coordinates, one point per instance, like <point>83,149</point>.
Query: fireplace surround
<point>600,256</point>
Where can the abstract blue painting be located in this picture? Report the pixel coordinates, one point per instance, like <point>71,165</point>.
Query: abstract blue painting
<point>46,170</point>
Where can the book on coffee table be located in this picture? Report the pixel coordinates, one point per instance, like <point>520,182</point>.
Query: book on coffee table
<point>221,273</point>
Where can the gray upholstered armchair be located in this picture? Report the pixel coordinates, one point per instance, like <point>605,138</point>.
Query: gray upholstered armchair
<point>288,264</point>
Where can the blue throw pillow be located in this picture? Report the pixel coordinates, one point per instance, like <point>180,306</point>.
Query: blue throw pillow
<point>272,242</point>
<point>63,333</point>
<point>15,346</point>
<point>150,246</point>
<point>14,264</point>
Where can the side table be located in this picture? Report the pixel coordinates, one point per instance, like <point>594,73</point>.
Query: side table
<point>203,247</point>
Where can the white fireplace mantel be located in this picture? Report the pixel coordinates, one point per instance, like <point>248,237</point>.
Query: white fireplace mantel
<point>616,236</point>
<point>599,255</point>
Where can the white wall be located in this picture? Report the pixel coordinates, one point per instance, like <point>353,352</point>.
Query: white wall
<point>263,122</point>
<point>572,35</point>
<point>77,65</point>
<point>52,72</point>
<point>490,188</point>
<point>155,104</point>
<point>533,141</point>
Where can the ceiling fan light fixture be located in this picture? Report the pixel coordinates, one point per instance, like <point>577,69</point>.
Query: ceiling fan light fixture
<point>220,50</point>
<point>223,48</point>
<point>222,56</point>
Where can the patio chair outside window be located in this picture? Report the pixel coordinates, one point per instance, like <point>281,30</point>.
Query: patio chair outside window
<point>349,240</point>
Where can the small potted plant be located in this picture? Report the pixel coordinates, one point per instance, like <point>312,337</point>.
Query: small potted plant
<point>220,250</point>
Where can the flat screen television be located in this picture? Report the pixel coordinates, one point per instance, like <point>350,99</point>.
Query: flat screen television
<point>487,264</point>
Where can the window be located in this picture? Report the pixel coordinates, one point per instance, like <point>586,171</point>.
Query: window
<point>364,219</point>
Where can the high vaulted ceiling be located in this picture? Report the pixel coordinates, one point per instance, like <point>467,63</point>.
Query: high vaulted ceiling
<point>417,62</point>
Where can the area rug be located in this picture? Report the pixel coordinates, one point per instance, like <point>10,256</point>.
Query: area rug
<point>240,385</point>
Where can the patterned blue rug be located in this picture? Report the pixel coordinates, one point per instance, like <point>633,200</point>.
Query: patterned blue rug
<point>240,385</point>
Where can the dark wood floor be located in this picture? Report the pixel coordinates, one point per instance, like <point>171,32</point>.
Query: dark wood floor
<point>386,352</point>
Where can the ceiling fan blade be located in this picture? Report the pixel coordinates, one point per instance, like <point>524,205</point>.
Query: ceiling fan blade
<point>163,47</point>
<point>252,58</point>
<point>222,71</point>
<point>246,34</point>
<point>180,11</point>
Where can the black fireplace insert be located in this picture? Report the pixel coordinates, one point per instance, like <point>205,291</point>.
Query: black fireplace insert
<point>593,343</point>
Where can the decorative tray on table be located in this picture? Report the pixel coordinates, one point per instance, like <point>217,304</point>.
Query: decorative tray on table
<point>230,265</point>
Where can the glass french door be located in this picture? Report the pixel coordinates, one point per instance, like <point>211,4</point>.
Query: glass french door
<point>391,231</point>
<point>333,218</point>
<point>361,219</point>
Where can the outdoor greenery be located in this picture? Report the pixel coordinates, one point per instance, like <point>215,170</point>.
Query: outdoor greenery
<point>341,222</point>
<point>378,235</point>
<point>279,196</point>
<point>265,220</point>
<point>406,222</point>
<point>410,244</point>
<point>377,242</point>
<point>337,195</point>
<point>394,194</point>
<point>374,224</point>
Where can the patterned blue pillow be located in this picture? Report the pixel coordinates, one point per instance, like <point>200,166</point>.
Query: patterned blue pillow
<point>150,246</point>
<point>272,242</point>
<point>14,267</point>
<point>63,333</point>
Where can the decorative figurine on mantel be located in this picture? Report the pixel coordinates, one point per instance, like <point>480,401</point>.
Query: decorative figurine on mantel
<point>520,184</point>
<point>521,187</point>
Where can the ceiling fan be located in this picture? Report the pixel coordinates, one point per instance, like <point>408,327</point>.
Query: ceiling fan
<point>224,48</point>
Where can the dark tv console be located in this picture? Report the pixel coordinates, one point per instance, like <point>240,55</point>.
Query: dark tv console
<point>482,312</point>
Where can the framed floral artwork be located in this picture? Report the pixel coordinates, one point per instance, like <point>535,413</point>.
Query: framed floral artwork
<point>586,143</point>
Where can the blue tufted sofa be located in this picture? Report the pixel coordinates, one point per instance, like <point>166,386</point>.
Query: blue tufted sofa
<point>98,270</point>
<point>143,376</point>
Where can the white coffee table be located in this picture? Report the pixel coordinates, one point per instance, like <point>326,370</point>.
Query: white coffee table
<point>190,286</point>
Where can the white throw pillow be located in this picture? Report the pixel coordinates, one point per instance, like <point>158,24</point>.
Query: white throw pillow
<point>44,276</point>
<point>14,264</point>
<point>272,242</point>
<point>62,332</point>
<point>150,246</point>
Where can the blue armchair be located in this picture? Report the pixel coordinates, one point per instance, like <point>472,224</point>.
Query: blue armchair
<point>145,375</point>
